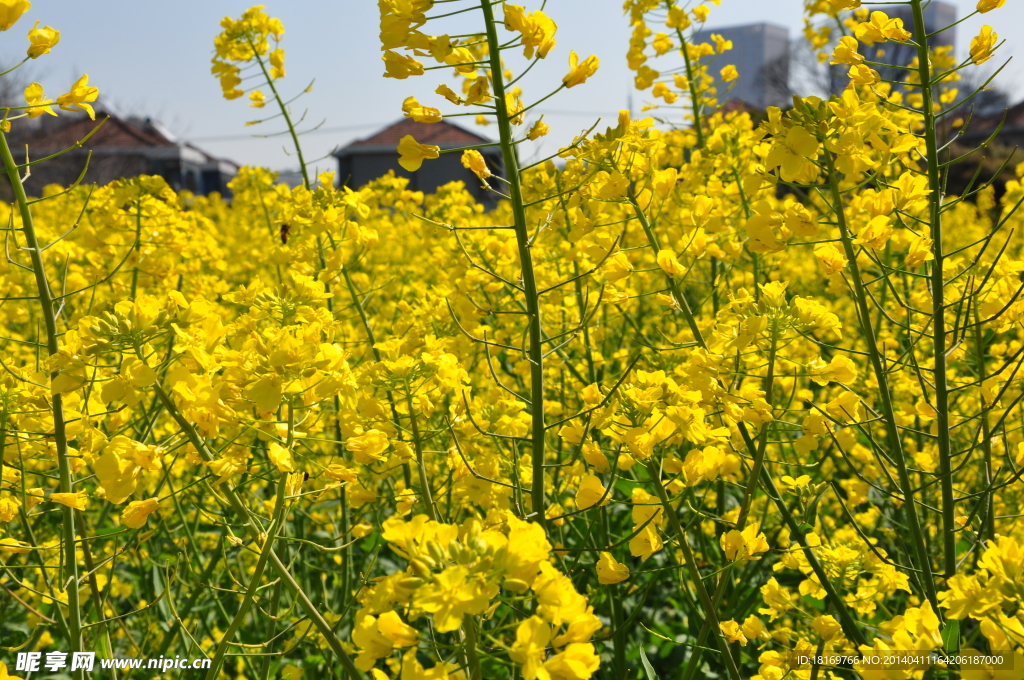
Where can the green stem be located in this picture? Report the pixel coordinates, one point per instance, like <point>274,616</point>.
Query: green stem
<point>619,640</point>
<point>691,83</point>
<point>185,609</point>
<point>472,655</point>
<point>849,623</point>
<point>748,496</point>
<point>137,246</point>
<point>94,591</point>
<point>353,291</point>
<point>673,285</point>
<point>287,118</point>
<point>988,528</point>
<point>255,531</point>
<point>884,394</point>
<point>710,615</point>
<point>529,279</point>
<point>346,554</point>
<point>275,603</point>
<point>254,582</point>
<point>938,297</point>
<point>421,466</point>
<point>75,644</point>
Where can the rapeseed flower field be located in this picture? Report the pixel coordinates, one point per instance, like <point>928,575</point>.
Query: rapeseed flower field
<point>706,395</point>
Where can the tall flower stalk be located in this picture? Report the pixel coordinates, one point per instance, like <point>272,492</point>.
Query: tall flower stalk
<point>531,295</point>
<point>48,311</point>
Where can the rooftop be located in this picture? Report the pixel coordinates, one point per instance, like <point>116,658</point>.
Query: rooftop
<point>145,136</point>
<point>980,126</point>
<point>54,133</point>
<point>444,134</point>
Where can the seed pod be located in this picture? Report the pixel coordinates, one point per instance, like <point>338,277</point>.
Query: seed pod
<point>436,551</point>
<point>411,583</point>
<point>420,567</point>
<point>516,585</point>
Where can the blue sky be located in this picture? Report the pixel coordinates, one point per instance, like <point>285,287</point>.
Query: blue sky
<point>152,58</point>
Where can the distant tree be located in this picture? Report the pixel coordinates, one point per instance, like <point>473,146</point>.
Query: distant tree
<point>777,78</point>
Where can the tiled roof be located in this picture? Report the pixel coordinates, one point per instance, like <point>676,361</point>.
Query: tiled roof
<point>443,134</point>
<point>980,127</point>
<point>114,134</point>
<point>1014,117</point>
<point>738,105</point>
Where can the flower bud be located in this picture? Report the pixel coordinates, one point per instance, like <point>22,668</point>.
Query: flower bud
<point>516,585</point>
<point>419,566</point>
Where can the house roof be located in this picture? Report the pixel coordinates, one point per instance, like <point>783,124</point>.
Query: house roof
<point>443,134</point>
<point>115,135</point>
<point>980,127</point>
<point>736,104</point>
<point>1014,117</point>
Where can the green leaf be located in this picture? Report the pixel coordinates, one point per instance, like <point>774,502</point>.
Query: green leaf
<point>109,530</point>
<point>648,668</point>
<point>951,636</point>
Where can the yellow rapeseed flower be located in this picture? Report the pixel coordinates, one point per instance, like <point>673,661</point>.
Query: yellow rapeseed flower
<point>38,102</point>
<point>579,71</point>
<point>400,66</point>
<point>421,114</point>
<point>42,40</point>
<point>11,11</point>
<point>412,153</point>
<point>610,570</point>
<point>591,492</point>
<point>474,161</point>
<point>78,501</point>
<point>78,97</point>
<point>137,512</point>
<point>989,5</point>
<point>983,45</point>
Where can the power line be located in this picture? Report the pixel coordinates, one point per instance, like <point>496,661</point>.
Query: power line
<point>318,131</point>
<point>559,112</point>
<point>364,126</point>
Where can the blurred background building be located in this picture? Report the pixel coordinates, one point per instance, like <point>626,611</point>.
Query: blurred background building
<point>760,52</point>
<point>937,15</point>
<point>367,159</point>
<point>120,147</point>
